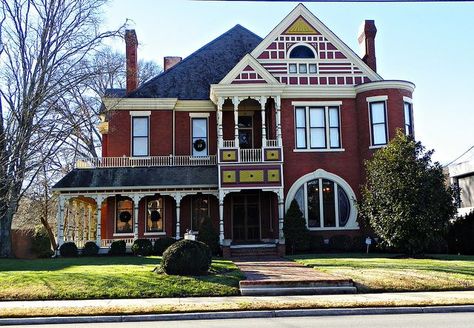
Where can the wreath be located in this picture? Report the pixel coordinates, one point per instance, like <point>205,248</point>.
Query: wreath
<point>125,216</point>
<point>155,216</point>
<point>199,145</point>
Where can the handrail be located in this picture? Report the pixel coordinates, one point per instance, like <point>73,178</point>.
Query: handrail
<point>151,161</point>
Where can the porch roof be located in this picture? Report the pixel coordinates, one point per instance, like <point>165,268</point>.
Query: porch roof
<point>107,178</point>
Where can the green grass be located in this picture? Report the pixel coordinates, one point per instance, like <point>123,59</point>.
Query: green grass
<point>388,273</point>
<point>109,277</point>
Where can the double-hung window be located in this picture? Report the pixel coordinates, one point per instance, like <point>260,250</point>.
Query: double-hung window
<point>378,123</point>
<point>140,138</point>
<point>408,113</point>
<point>199,136</point>
<point>317,127</point>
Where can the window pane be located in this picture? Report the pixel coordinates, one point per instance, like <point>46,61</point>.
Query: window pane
<point>378,112</point>
<point>316,117</point>
<point>333,117</point>
<point>312,68</point>
<point>155,219</point>
<point>301,138</point>
<point>329,204</point>
<point>313,204</point>
<point>344,206</point>
<point>334,138</point>
<point>407,114</point>
<point>140,126</point>
<point>199,127</point>
<point>140,146</point>
<point>124,216</point>
<point>292,68</point>
<point>379,134</point>
<point>300,117</point>
<point>245,121</point>
<point>303,68</point>
<point>299,197</point>
<point>318,137</point>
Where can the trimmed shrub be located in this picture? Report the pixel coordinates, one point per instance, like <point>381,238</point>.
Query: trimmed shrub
<point>340,243</point>
<point>316,243</point>
<point>460,235</point>
<point>187,257</point>
<point>118,248</point>
<point>209,236</point>
<point>142,247</point>
<point>41,245</point>
<point>295,230</point>
<point>68,249</point>
<point>161,244</point>
<point>359,245</point>
<point>90,249</point>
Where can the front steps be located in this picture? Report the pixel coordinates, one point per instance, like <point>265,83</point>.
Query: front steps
<point>254,250</point>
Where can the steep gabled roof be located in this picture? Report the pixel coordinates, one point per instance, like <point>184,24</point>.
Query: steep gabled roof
<point>191,78</point>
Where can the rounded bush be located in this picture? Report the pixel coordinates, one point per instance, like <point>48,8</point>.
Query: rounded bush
<point>41,245</point>
<point>341,243</point>
<point>90,249</point>
<point>68,249</point>
<point>118,247</point>
<point>187,257</point>
<point>142,247</point>
<point>161,244</point>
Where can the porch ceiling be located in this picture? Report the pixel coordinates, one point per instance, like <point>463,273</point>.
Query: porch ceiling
<point>108,178</point>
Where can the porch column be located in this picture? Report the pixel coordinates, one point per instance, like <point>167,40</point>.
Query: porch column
<point>89,221</point>
<point>99,199</point>
<point>136,203</point>
<point>281,215</point>
<point>60,220</point>
<point>76,221</point>
<point>220,133</point>
<point>177,197</point>
<point>221,218</point>
<point>278,120</point>
<point>235,101</point>
<point>263,101</point>
<point>84,223</point>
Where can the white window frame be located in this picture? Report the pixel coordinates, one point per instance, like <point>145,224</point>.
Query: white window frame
<point>123,234</point>
<point>339,182</point>
<point>326,105</point>
<point>198,116</point>
<point>154,233</point>
<point>132,148</point>
<point>370,101</point>
<point>409,102</point>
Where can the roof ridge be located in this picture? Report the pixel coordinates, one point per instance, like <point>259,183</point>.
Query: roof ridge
<point>204,47</point>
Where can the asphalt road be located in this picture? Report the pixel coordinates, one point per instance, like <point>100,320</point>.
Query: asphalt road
<point>427,320</point>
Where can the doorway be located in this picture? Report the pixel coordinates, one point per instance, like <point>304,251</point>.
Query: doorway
<point>246,218</point>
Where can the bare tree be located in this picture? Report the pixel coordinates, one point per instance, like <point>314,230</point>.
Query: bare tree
<point>44,44</point>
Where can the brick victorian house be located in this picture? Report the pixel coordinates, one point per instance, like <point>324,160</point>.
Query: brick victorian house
<point>236,131</point>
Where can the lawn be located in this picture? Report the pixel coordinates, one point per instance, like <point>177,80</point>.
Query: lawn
<point>109,277</point>
<point>388,273</point>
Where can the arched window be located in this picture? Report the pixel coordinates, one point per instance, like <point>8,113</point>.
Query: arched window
<point>326,201</point>
<point>301,52</point>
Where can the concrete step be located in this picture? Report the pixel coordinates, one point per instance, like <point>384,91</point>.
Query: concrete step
<point>296,287</point>
<point>264,250</point>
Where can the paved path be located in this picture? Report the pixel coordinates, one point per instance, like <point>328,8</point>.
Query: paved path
<point>278,269</point>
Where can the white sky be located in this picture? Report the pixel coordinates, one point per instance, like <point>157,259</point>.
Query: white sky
<point>430,44</point>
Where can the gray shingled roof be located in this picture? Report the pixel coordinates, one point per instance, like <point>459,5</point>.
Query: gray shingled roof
<point>192,77</point>
<point>186,176</point>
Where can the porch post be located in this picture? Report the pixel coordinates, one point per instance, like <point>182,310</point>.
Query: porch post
<point>281,215</point>
<point>136,202</point>
<point>278,120</point>
<point>60,220</point>
<point>98,210</point>
<point>89,221</point>
<point>263,101</point>
<point>221,218</point>
<point>76,221</point>
<point>177,197</point>
<point>235,101</point>
<point>220,134</point>
<point>84,223</point>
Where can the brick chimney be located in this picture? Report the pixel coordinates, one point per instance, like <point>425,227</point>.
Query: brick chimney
<point>131,44</point>
<point>366,39</point>
<point>170,61</point>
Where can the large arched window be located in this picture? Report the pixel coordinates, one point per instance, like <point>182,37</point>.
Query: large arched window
<point>301,52</point>
<point>326,201</point>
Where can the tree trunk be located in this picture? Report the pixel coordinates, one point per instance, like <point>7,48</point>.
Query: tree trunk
<point>50,232</point>
<point>6,235</point>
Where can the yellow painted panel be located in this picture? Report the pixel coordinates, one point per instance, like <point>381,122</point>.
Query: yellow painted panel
<point>273,175</point>
<point>229,155</point>
<point>300,26</point>
<point>228,177</point>
<point>251,176</point>
<point>272,155</point>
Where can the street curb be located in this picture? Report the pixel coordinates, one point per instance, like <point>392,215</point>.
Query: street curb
<point>236,315</point>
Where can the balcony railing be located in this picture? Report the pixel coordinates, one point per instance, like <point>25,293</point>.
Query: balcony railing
<point>229,143</point>
<point>272,143</point>
<point>104,162</point>
<point>251,155</point>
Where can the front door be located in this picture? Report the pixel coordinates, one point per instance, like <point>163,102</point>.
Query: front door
<point>246,218</point>
<point>246,132</point>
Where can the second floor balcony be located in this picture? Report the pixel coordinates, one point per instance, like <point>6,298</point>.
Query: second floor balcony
<point>150,161</point>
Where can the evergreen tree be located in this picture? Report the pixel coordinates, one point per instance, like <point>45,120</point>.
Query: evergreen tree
<point>295,230</point>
